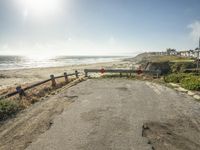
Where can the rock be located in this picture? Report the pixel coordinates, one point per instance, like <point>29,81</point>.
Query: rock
<point>180,89</point>
<point>197,97</point>
<point>164,67</point>
<point>191,93</point>
<point>144,78</point>
<point>174,85</point>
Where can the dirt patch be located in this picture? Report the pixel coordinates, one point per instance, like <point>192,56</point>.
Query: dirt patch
<point>181,134</point>
<point>92,115</point>
<point>122,88</point>
<point>4,76</point>
<point>19,133</point>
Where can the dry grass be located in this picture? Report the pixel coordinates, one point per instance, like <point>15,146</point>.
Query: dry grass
<point>35,94</point>
<point>170,59</point>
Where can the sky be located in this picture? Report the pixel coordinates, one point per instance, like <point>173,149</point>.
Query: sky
<point>97,27</point>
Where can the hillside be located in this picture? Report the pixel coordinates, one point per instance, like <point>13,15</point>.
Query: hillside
<point>152,57</point>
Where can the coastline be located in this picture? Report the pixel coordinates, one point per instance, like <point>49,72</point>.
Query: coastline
<point>10,78</point>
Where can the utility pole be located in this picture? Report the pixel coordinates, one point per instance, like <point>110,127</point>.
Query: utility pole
<point>198,56</point>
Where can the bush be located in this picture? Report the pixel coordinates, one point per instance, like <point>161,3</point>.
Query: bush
<point>182,66</point>
<point>176,78</point>
<point>7,109</point>
<point>164,67</point>
<point>191,83</point>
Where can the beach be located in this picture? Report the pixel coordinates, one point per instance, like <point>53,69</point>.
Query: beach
<point>10,78</point>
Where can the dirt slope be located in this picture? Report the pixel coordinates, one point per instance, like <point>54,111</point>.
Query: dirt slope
<point>19,132</point>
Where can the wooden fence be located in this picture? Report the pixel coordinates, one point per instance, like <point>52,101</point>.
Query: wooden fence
<point>153,72</point>
<point>21,91</point>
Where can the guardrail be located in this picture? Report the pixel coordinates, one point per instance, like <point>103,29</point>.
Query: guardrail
<point>21,91</point>
<point>192,70</point>
<point>139,71</point>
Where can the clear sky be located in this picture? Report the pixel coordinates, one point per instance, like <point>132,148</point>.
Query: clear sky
<point>97,27</point>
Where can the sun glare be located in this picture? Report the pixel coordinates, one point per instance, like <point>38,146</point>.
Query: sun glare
<point>41,7</point>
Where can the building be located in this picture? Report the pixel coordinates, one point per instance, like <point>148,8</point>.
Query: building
<point>171,51</point>
<point>184,53</point>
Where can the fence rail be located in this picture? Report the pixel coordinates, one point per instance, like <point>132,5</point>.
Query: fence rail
<point>154,72</point>
<point>21,91</point>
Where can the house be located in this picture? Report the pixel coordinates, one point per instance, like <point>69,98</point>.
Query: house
<point>171,51</point>
<point>184,53</point>
<point>191,53</point>
<point>163,53</point>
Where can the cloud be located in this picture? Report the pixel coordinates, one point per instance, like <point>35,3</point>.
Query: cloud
<point>25,13</point>
<point>195,30</point>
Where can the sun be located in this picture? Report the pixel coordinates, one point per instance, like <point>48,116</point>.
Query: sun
<point>41,7</point>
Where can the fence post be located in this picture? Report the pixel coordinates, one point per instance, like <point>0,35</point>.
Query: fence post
<point>120,74</point>
<point>76,73</point>
<point>158,72</point>
<point>86,73</point>
<point>20,91</point>
<point>53,80</point>
<point>66,78</point>
<point>157,75</point>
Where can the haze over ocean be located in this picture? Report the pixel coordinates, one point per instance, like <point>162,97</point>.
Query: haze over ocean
<point>23,62</point>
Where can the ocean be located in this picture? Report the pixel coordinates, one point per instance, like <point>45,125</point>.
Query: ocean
<point>23,62</point>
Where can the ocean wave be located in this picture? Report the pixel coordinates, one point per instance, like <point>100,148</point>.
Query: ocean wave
<point>22,62</point>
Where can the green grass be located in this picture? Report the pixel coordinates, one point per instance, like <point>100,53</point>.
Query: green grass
<point>170,59</point>
<point>182,60</point>
<point>191,83</point>
<point>186,80</point>
<point>8,108</point>
<point>176,77</point>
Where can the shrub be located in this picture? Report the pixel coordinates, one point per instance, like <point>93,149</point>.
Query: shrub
<point>176,78</point>
<point>182,66</point>
<point>7,109</point>
<point>163,66</point>
<point>191,83</point>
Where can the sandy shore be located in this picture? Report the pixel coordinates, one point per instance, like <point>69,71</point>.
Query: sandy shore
<point>10,78</point>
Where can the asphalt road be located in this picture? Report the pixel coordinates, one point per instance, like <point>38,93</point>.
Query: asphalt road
<point>108,114</point>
